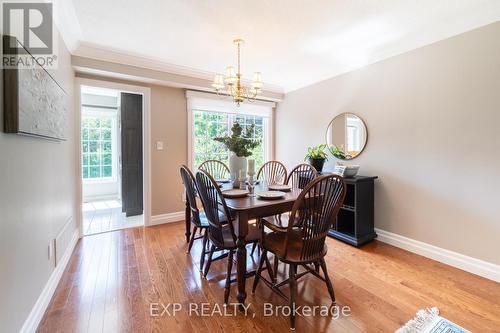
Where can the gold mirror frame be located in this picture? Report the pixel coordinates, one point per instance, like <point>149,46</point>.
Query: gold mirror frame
<point>342,150</point>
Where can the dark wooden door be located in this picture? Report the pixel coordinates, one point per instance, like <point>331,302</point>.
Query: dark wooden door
<point>131,135</point>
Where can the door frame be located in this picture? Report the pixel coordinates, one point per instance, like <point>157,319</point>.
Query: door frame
<point>146,135</point>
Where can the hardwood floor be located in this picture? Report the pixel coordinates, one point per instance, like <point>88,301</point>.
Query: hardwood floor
<point>113,278</point>
<point>104,216</point>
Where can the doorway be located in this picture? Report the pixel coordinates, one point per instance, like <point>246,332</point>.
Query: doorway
<point>113,166</point>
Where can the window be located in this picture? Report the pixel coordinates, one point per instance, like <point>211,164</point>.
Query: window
<point>211,118</point>
<point>353,134</point>
<point>258,153</point>
<point>209,125</point>
<point>98,146</point>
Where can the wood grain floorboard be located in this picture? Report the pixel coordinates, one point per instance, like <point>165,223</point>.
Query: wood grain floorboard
<point>113,278</point>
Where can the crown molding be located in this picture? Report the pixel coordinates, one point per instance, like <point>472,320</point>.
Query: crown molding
<point>98,52</point>
<point>118,70</point>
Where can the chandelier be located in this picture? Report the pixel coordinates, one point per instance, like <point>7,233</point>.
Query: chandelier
<point>231,85</point>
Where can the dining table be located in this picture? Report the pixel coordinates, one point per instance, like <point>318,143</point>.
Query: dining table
<point>243,210</point>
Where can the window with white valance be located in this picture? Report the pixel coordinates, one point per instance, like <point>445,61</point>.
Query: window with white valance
<point>210,117</point>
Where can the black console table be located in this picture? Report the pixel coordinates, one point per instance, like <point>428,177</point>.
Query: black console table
<point>355,221</point>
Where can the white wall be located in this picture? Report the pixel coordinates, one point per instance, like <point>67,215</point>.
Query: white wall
<point>37,202</point>
<point>433,118</point>
<point>106,190</point>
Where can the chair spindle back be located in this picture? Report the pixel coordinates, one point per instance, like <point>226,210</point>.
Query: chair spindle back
<point>317,207</point>
<point>212,199</point>
<point>272,172</point>
<point>190,186</point>
<point>301,176</point>
<point>216,169</point>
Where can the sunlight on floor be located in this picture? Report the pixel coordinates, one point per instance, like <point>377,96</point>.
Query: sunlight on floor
<point>102,216</point>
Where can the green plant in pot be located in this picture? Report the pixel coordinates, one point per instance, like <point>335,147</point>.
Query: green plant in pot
<point>240,143</point>
<point>316,156</point>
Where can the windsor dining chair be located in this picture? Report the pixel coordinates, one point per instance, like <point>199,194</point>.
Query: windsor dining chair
<point>317,206</point>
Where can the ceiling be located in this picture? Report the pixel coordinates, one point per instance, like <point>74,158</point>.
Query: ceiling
<point>293,43</point>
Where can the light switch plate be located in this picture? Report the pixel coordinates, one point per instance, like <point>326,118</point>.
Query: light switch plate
<point>159,145</point>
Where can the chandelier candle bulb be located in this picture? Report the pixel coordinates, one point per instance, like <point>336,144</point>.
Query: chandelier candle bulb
<point>230,75</point>
<point>231,84</point>
<point>257,81</point>
<point>218,83</point>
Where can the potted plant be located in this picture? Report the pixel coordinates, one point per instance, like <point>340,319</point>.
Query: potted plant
<point>240,144</point>
<point>337,152</point>
<point>316,156</point>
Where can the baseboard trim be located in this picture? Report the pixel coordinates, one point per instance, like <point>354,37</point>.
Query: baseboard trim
<point>167,218</point>
<point>472,265</point>
<point>101,198</point>
<point>38,310</point>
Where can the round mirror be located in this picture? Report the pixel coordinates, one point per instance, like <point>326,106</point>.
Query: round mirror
<point>346,136</point>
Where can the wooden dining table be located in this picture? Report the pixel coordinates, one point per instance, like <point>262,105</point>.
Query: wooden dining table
<point>244,210</point>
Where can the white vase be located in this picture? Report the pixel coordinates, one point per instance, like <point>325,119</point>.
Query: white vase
<point>236,164</point>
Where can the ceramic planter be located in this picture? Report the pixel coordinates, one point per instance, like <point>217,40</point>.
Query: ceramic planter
<point>236,164</point>
<point>317,163</point>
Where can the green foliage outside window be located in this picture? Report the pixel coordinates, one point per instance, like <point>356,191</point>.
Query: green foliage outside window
<point>210,125</point>
<point>97,159</point>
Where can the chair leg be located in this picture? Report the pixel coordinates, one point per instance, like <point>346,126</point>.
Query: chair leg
<point>203,249</point>
<point>293,290</point>
<point>191,241</point>
<point>268,267</point>
<point>254,246</point>
<point>228,277</point>
<point>275,269</point>
<point>209,261</point>
<point>329,284</point>
<point>256,279</point>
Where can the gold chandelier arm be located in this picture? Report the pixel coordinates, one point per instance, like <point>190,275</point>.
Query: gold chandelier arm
<point>234,87</point>
<point>252,97</point>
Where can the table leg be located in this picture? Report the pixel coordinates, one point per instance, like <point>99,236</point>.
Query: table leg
<point>241,256</point>
<point>188,220</point>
